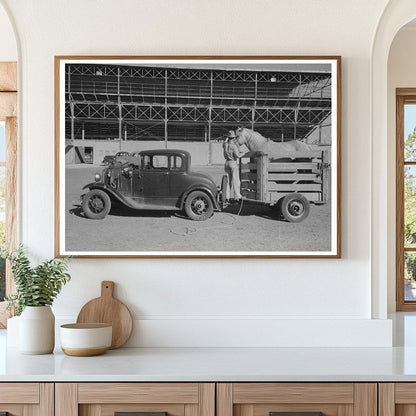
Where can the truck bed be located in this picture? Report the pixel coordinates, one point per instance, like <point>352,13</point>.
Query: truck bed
<point>267,180</point>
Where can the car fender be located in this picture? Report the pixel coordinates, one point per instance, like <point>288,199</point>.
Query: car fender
<point>110,191</point>
<point>199,188</point>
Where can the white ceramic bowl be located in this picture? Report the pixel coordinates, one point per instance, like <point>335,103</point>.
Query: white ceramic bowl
<point>84,340</point>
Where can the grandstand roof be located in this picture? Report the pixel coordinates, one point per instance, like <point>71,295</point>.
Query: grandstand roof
<point>143,102</point>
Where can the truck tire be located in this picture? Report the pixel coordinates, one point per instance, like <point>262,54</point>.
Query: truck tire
<point>294,207</point>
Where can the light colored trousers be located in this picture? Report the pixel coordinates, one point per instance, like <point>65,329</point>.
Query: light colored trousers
<point>231,167</point>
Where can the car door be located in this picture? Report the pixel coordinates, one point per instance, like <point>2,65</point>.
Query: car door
<point>177,179</point>
<point>156,180</point>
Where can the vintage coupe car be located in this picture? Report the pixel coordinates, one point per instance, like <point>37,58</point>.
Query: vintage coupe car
<point>158,180</point>
<point>120,157</point>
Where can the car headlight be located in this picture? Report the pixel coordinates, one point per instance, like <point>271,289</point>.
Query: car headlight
<point>97,177</point>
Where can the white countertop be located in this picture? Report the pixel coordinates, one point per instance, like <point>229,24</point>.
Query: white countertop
<point>215,364</point>
<point>222,364</point>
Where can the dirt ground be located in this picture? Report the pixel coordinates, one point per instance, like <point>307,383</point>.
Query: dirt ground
<point>256,229</point>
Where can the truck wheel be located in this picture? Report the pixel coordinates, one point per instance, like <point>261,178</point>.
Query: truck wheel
<point>96,204</point>
<point>294,207</point>
<point>224,191</point>
<point>198,206</point>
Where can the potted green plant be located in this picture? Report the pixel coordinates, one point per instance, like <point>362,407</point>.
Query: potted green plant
<point>36,289</point>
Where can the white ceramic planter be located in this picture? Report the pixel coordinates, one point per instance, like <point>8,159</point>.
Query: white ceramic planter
<point>37,330</point>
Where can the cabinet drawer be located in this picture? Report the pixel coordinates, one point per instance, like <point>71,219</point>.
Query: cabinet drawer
<point>138,393</point>
<point>297,399</point>
<point>144,399</point>
<point>19,393</point>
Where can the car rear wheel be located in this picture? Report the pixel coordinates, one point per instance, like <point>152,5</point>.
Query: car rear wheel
<point>198,206</point>
<point>96,204</point>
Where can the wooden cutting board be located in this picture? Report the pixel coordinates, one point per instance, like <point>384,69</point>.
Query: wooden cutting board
<point>107,309</point>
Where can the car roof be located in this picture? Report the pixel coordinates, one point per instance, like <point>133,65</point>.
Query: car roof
<point>165,152</point>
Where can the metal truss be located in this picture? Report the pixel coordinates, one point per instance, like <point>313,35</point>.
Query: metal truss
<point>145,72</point>
<point>224,114</point>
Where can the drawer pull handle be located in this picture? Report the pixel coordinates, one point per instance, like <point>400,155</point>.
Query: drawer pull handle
<point>140,414</point>
<point>295,414</point>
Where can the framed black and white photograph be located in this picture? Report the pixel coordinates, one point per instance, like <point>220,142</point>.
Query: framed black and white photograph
<point>198,156</point>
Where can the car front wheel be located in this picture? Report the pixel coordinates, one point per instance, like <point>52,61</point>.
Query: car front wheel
<point>96,204</point>
<point>198,206</point>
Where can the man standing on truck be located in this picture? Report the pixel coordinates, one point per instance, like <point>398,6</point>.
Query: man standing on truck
<point>232,154</point>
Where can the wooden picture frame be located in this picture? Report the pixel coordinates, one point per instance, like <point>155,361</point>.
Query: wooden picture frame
<point>178,111</point>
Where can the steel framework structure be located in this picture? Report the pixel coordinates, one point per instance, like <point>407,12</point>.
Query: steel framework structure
<point>104,101</point>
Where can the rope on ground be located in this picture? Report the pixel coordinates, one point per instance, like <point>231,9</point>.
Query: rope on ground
<point>192,230</point>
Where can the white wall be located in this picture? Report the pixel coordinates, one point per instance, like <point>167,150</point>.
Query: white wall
<point>212,302</point>
<point>401,74</point>
<point>8,46</point>
<point>200,151</point>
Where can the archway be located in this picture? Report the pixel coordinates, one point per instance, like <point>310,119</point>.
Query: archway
<point>395,16</point>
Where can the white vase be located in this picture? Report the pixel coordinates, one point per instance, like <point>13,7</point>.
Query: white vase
<point>37,330</point>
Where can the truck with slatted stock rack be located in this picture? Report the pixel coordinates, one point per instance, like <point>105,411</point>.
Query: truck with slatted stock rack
<point>290,182</point>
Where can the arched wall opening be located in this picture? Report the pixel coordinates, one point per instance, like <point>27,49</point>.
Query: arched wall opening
<point>401,73</point>
<point>385,78</point>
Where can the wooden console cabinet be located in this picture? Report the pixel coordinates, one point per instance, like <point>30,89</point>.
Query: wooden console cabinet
<point>208,399</point>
